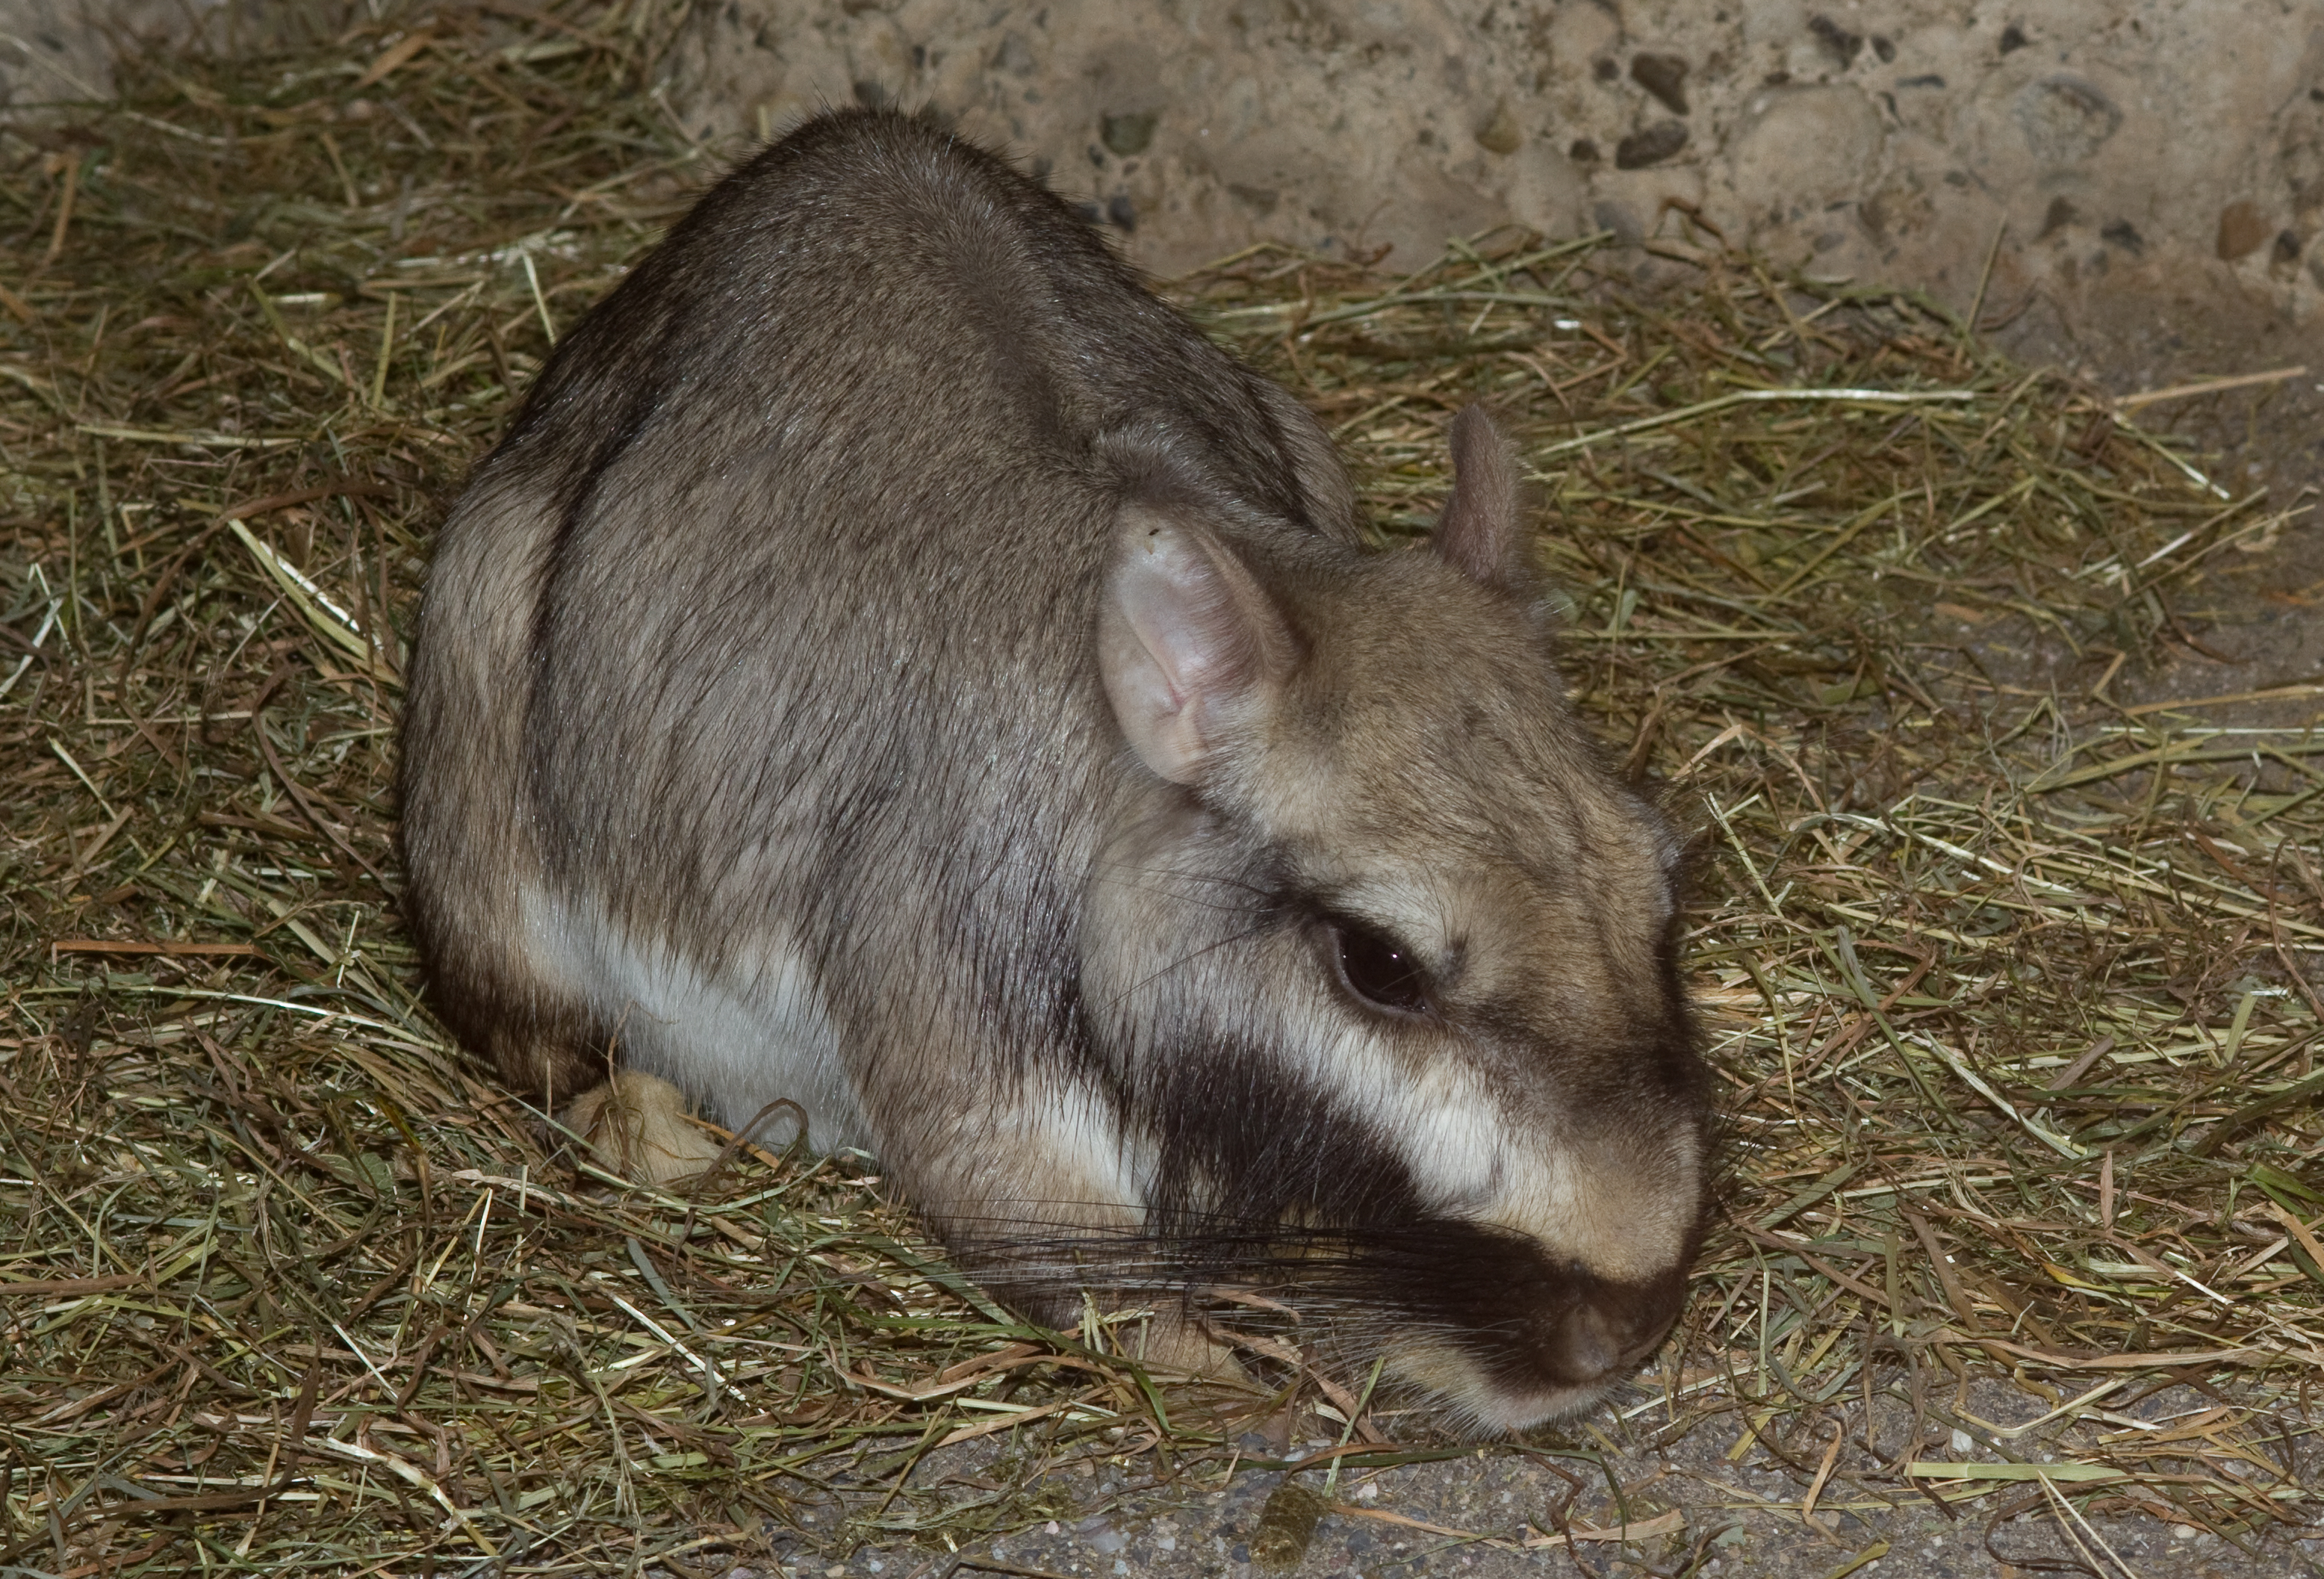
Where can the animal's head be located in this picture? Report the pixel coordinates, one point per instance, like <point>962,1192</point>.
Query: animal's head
<point>1383,960</point>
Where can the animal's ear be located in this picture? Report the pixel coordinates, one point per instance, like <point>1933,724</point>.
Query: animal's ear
<point>1481,533</point>
<point>1189,643</point>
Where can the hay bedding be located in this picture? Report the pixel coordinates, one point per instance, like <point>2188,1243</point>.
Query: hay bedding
<point>2011,990</point>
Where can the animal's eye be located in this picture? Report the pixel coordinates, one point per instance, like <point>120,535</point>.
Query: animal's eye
<point>1381,972</point>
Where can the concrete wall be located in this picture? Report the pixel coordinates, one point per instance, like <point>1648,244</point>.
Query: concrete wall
<point>1886,139</point>
<point>2136,157</point>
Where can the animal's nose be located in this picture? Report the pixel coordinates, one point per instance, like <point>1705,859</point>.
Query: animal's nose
<point>1612,1327</point>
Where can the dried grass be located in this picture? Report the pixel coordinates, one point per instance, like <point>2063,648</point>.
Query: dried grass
<point>2013,989</point>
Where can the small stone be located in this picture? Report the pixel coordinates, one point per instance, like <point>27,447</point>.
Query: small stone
<point>2123,234</point>
<point>1121,212</point>
<point>1664,76</point>
<point>1583,151</point>
<point>1657,143</point>
<point>1128,135</point>
<point>1015,56</point>
<point>1882,48</point>
<point>871,95</point>
<point>1618,216</point>
<point>2012,37</point>
<point>1604,70</point>
<point>2064,119</point>
<point>2060,215</point>
<point>1501,134</point>
<point>2243,230</point>
<point>1836,41</point>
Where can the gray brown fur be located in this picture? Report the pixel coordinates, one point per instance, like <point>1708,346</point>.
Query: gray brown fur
<point>790,666</point>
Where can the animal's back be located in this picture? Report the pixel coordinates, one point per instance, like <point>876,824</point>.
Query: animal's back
<point>743,649</point>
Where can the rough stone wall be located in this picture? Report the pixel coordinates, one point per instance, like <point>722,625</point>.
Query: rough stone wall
<point>1884,139</point>
<point>2166,154</point>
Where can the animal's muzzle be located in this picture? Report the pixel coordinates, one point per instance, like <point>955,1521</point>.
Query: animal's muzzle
<point>1606,1327</point>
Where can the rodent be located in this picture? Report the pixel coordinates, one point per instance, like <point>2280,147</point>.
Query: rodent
<point>896,665</point>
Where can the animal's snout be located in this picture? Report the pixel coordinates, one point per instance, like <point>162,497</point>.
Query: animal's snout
<point>1545,1337</point>
<point>1609,1328</point>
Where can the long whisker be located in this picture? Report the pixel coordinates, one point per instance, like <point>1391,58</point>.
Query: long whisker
<point>1191,880</point>
<point>1184,960</point>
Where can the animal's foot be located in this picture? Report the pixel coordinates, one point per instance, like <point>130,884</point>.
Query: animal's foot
<point>636,1127</point>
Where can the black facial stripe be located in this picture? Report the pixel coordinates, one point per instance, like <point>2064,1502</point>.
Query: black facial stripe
<point>1244,1134</point>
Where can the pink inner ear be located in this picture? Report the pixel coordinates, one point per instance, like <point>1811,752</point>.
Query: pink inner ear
<point>1478,534</point>
<point>1188,641</point>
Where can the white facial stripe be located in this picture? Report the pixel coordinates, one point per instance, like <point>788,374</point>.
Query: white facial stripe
<point>757,1033</point>
<point>1459,1144</point>
<point>1601,1207</point>
<point>1449,1134</point>
<point>1063,1148</point>
<point>1621,1215</point>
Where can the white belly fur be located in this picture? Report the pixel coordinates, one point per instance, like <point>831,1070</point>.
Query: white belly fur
<point>756,1032</point>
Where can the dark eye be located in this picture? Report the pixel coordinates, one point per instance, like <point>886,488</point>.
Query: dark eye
<point>1379,971</point>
